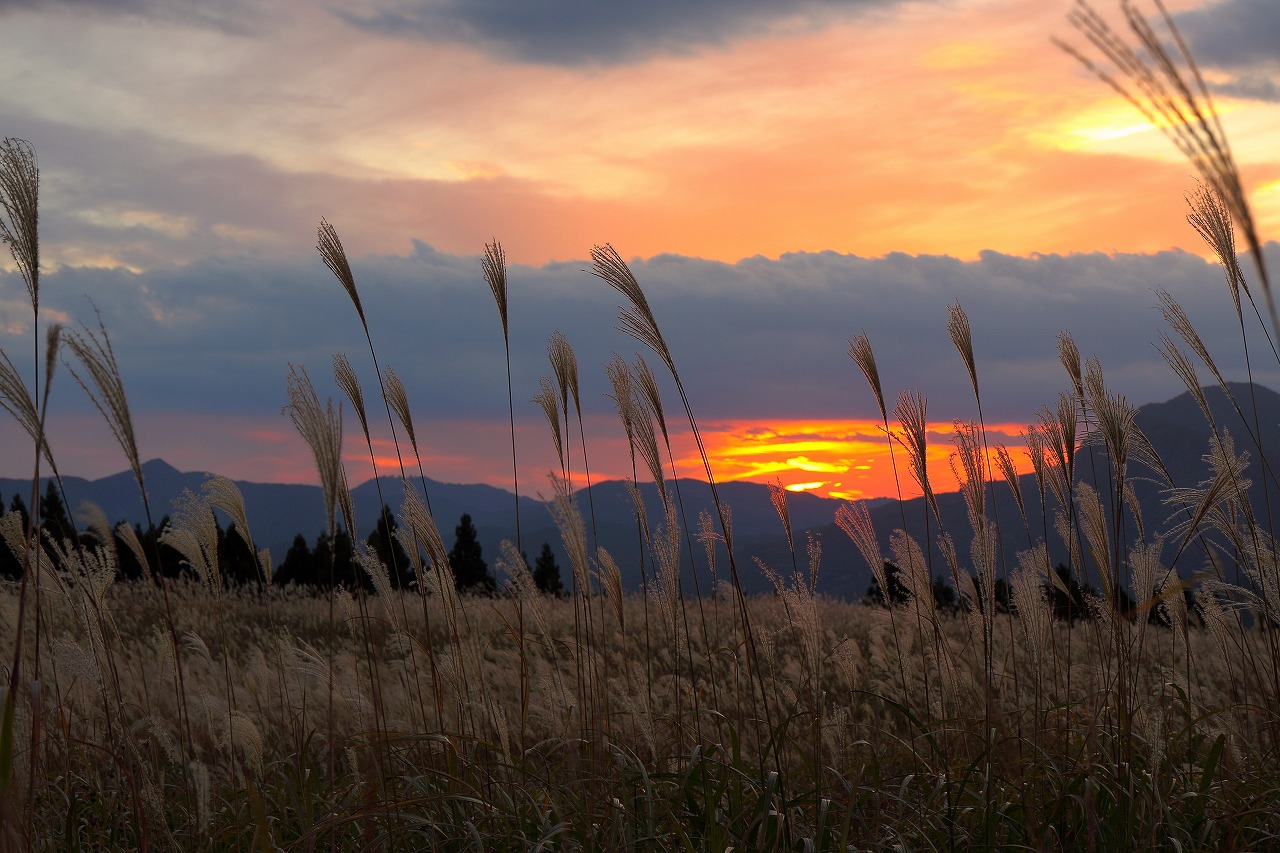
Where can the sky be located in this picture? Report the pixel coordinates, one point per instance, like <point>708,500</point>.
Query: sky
<point>780,177</point>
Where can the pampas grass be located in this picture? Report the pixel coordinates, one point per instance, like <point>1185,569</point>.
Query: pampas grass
<point>609,721</point>
<point>494,267</point>
<point>98,375</point>
<point>20,211</point>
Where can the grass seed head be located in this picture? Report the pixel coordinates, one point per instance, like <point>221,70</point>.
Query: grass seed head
<point>101,381</point>
<point>637,320</point>
<point>564,364</point>
<point>778,495</point>
<point>863,356</point>
<point>494,266</point>
<point>546,398</point>
<point>647,385</point>
<point>20,210</point>
<point>322,430</point>
<point>1211,218</point>
<point>347,381</point>
<point>398,400</point>
<point>1069,356</point>
<point>962,338</point>
<point>335,258</point>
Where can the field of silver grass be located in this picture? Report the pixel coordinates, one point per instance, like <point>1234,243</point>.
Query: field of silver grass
<point>189,713</point>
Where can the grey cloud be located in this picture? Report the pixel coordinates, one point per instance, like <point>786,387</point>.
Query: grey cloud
<point>1251,86</point>
<point>107,7</point>
<point>148,201</point>
<point>1233,33</point>
<point>576,32</point>
<point>233,17</point>
<point>757,339</point>
<point>1242,36</point>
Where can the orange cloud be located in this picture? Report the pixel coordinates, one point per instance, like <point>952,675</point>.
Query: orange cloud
<point>856,453</point>
<point>923,128</point>
<point>941,133</point>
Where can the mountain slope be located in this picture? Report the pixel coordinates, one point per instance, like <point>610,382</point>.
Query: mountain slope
<point>1176,429</point>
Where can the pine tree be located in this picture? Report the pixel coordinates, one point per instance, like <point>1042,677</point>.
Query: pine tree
<point>238,564</point>
<point>898,593</point>
<point>19,506</point>
<point>344,570</point>
<point>546,573</point>
<point>299,566</point>
<point>127,566</point>
<point>383,542</point>
<point>470,572</point>
<point>53,514</point>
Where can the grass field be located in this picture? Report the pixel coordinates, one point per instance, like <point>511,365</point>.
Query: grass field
<point>189,714</point>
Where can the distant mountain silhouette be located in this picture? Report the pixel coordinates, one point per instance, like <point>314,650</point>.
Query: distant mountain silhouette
<point>1176,429</point>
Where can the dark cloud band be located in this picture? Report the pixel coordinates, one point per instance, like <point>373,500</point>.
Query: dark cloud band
<point>577,32</point>
<point>759,338</point>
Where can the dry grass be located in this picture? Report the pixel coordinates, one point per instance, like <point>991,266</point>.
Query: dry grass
<point>281,668</point>
<point>191,715</point>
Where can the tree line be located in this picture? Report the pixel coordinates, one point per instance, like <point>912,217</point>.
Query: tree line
<point>329,563</point>
<point>1068,598</point>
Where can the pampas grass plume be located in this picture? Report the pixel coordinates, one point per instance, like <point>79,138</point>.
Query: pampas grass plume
<point>335,258</point>
<point>494,266</point>
<point>20,210</point>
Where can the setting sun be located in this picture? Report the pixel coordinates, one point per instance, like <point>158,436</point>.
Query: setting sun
<point>855,456</point>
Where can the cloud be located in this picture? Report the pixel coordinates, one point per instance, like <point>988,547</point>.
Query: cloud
<point>973,141</point>
<point>757,339</point>
<point>231,17</point>
<point>579,32</point>
<point>1241,37</point>
<point>1233,33</point>
<point>761,346</point>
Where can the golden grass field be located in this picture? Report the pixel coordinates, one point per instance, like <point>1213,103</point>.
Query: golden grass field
<point>189,713</point>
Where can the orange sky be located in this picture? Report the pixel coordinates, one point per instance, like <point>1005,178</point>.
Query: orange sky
<point>840,459</point>
<point>938,128</point>
<point>924,128</point>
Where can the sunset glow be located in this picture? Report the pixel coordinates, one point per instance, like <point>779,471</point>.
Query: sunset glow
<point>854,456</point>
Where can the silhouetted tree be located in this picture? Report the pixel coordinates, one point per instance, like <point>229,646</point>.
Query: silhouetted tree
<point>299,566</point>
<point>470,572</point>
<point>53,515</point>
<point>11,563</point>
<point>944,596</point>
<point>236,562</point>
<point>1125,605</point>
<point>127,565</point>
<point>1069,605</point>
<point>383,542</point>
<point>344,571</point>
<point>19,506</point>
<point>546,572</point>
<point>897,588</point>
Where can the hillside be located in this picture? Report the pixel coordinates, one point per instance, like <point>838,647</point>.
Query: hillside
<point>1176,429</point>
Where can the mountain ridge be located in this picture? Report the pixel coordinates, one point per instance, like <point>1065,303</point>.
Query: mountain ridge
<point>277,512</point>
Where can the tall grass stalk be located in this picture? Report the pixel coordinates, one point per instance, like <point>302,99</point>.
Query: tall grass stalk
<point>494,266</point>
<point>639,322</point>
<point>1152,724</point>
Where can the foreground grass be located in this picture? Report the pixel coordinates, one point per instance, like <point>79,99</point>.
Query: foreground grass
<point>850,760</point>
<point>186,715</point>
